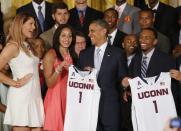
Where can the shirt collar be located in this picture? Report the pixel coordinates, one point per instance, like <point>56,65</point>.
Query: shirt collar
<point>155,7</point>
<point>102,47</point>
<point>121,7</point>
<point>36,5</point>
<point>113,34</point>
<point>84,9</point>
<point>149,54</point>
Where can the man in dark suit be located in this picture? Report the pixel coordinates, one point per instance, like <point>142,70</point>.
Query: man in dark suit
<point>111,66</point>
<point>116,36</point>
<point>165,17</point>
<point>41,10</point>
<point>82,15</point>
<point>146,20</point>
<point>156,61</point>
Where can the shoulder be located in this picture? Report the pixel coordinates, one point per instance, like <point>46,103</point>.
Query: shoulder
<point>133,8</point>
<point>47,33</point>
<point>11,50</point>
<point>94,11</point>
<point>72,10</point>
<point>24,7</point>
<point>50,55</point>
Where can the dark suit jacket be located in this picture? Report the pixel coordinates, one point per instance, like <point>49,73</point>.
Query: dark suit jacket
<point>165,19</point>
<point>119,39</point>
<point>48,15</point>
<point>175,39</point>
<point>159,62</point>
<point>113,69</point>
<point>90,15</point>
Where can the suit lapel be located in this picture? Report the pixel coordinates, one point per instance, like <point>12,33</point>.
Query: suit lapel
<point>152,62</point>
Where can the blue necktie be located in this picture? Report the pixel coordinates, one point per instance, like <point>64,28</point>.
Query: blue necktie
<point>41,18</point>
<point>144,67</point>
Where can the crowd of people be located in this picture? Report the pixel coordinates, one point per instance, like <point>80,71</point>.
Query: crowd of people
<point>43,39</point>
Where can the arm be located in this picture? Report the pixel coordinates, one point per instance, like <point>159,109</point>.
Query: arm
<point>2,108</point>
<point>10,51</point>
<point>175,74</point>
<point>51,74</point>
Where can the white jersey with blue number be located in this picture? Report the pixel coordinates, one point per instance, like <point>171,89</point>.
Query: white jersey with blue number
<point>83,95</point>
<point>152,102</point>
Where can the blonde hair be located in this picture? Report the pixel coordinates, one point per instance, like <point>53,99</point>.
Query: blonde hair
<point>15,31</point>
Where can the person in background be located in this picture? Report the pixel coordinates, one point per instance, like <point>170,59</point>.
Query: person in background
<point>56,63</point>
<point>60,15</point>
<point>146,20</point>
<point>81,16</point>
<point>130,44</point>
<point>39,48</point>
<point>3,93</point>
<point>128,17</point>
<point>41,10</point>
<point>80,44</point>
<point>115,36</point>
<point>24,103</point>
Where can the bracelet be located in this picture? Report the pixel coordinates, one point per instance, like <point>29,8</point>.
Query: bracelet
<point>56,71</point>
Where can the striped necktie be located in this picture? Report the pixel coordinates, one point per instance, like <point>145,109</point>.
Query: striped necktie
<point>41,18</point>
<point>144,67</point>
<point>97,59</point>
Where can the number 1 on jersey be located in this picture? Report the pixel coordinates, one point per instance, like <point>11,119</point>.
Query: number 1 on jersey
<point>155,105</point>
<point>80,96</point>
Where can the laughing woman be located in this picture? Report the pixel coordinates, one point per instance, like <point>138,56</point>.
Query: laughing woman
<point>24,103</point>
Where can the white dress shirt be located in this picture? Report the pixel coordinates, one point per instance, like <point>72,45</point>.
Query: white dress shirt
<point>113,34</point>
<point>149,55</point>
<point>35,6</point>
<point>120,8</point>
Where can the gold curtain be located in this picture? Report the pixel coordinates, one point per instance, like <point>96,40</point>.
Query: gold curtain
<point>97,4</point>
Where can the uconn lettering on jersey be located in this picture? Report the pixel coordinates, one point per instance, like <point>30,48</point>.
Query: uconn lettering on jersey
<point>81,85</point>
<point>153,93</point>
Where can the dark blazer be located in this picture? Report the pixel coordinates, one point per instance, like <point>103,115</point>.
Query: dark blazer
<point>175,39</point>
<point>90,15</point>
<point>48,15</point>
<point>119,39</point>
<point>178,62</point>
<point>112,71</point>
<point>165,19</point>
<point>159,62</point>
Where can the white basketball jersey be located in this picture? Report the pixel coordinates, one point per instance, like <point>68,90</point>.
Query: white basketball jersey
<point>83,95</point>
<point>152,102</point>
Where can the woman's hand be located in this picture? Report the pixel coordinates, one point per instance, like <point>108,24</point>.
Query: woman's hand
<point>23,81</point>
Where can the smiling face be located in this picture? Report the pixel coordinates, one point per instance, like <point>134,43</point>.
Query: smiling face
<point>97,34</point>
<point>147,40</point>
<point>129,44</point>
<point>28,28</point>
<point>61,16</point>
<point>111,17</point>
<point>65,38</point>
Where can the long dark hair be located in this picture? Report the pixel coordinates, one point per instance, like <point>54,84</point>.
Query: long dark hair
<point>56,42</point>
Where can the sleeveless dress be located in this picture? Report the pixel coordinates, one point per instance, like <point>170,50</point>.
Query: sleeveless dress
<point>24,104</point>
<point>55,99</point>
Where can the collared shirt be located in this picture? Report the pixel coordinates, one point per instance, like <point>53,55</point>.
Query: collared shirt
<point>155,7</point>
<point>129,58</point>
<point>149,55</point>
<point>103,48</point>
<point>120,8</point>
<point>84,10</point>
<point>113,34</point>
<point>35,6</point>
